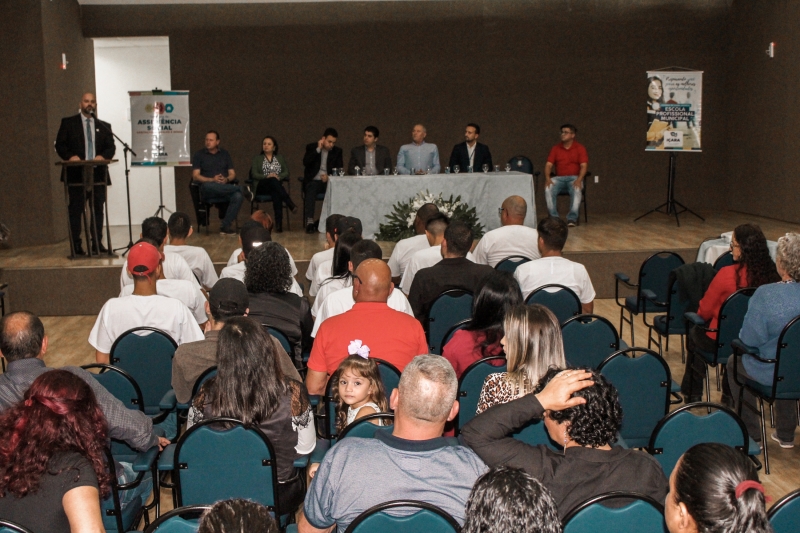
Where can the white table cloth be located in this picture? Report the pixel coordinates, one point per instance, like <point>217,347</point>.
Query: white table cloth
<point>712,249</point>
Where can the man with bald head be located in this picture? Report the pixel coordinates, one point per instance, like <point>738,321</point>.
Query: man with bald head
<point>512,238</point>
<point>84,137</point>
<point>390,335</point>
<point>418,157</point>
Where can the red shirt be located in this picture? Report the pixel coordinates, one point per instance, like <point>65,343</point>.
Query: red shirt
<point>722,286</point>
<point>464,349</point>
<point>568,160</point>
<point>391,335</point>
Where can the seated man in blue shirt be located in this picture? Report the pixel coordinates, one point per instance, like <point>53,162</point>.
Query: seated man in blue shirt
<point>212,168</point>
<point>419,156</point>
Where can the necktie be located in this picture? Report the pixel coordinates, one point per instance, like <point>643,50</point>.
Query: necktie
<point>89,143</point>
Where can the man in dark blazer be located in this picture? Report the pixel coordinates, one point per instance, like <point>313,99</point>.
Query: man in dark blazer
<point>83,137</point>
<point>320,160</point>
<point>471,153</point>
<point>379,160</point>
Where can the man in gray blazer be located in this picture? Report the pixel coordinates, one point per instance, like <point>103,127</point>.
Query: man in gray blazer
<point>371,158</point>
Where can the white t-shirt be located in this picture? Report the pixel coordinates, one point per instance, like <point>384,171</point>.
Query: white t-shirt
<point>322,271</point>
<point>175,267</point>
<point>403,251</point>
<point>353,413</point>
<point>237,270</point>
<point>555,270</point>
<point>423,259</point>
<point>342,301</point>
<point>235,259</point>
<point>182,290</point>
<point>199,261</point>
<point>317,259</point>
<point>118,315</point>
<point>506,241</point>
<point>329,287</point>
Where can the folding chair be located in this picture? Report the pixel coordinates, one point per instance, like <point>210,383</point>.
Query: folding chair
<point>449,308</point>
<point>428,519</point>
<point>588,340</point>
<point>470,385</point>
<point>784,515</point>
<point>643,515</point>
<point>672,322</point>
<point>180,520</point>
<point>390,375</point>
<point>561,300</point>
<point>511,263</point>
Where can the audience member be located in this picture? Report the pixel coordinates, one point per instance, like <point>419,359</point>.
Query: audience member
<point>358,389</point>
<point>714,488</point>
<point>269,168</point>
<point>238,255</point>
<point>341,276</point>
<point>412,462</point>
<point>391,335</point>
<point>581,411</point>
<point>268,280</point>
<point>564,172</point>
<point>250,387</point>
<point>342,300</point>
<point>418,157</point>
<point>145,307</point>
<point>471,154</point>
<point>325,268</point>
<point>405,248</point>
<point>553,267</point>
<point>237,516</point>
<point>371,159</point>
<point>495,296</point>
<point>512,238</point>
<point>771,307</point>
<point>180,229</point>
<point>325,255</point>
<point>507,499</point>
<point>454,271</point>
<point>212,168</point>
<point>319,161</point>
<point>226,300</point>
<point>533,345</point>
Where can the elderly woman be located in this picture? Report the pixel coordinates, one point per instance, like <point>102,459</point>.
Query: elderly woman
<point>267,171</point>
<point>770,309</point>
<point>581,412</point>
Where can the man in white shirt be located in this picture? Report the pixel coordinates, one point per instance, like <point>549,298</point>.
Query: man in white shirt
<point>406,248</point>
<point>324,270</point>
<point>325,255</point>
<point>553,268</point>
<point>145,307</point>
<point>342,300</point>
<point>512,238</point>
<point>179,229</point>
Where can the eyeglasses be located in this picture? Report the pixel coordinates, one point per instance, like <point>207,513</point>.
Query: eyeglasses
<point>734,245</point>
<point>357,278</point>
<point>500,210</point>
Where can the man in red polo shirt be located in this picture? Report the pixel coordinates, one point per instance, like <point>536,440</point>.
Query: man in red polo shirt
<point>570,161</point>
<point>390,335</point>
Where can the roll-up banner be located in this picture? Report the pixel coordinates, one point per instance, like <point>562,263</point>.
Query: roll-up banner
<point>160,128</point>
<point>674,105</point>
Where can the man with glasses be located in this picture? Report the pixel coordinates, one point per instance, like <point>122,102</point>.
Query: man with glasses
<point>570,161</point>
<point>512,238</point>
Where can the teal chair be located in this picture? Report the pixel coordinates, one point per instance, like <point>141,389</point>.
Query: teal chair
<point>180,520</point>
<point>643,515</point>
<point>282,338</point>
<point>427,519</point>
<point>671,322</point>
<point>535,434</point>
<point>119,519</point>
<point>452,331</point>
<point>511,263</point>
<point>588,340</point>
<point>784,516</point>
<point>561,300</point>
<point>365,429</point>
<point>449,308</point>
<point>785,380</point>
<point>724,260</point>
<point>643,384</point>
<point>470,385</point>
<point>7,526</point>
<point>390,375</point>
<point>653,276</point>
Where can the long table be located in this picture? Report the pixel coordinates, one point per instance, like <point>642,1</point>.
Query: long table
<point>371,198</point>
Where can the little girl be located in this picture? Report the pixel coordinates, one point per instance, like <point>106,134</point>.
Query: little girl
<point>359,390</point>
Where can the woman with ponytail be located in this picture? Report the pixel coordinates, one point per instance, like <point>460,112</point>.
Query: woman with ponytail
<point>715,489</point>
<point>52,466</point>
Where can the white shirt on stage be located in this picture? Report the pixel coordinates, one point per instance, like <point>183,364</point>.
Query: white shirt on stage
<point>329,287</point>
<point>403,251</point>
<point>234,258</point>
<point>175,267</point>
<point>311,273</point>
<point>341,301</point>
<point>506,241</point>
<point>182,290</point>
<point>118,315</point>
<point>555,270</point>
<point>423,259</point>
<point>199,261</point>
<point>237,270</point>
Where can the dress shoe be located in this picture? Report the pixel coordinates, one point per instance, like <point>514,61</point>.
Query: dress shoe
<point>310,228</point>
<point>101,249</point>
<point>279,227</point>
<point>291,205</point>
<point>78,249</point>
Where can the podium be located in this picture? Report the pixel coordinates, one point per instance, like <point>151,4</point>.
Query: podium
<point>87,184</point>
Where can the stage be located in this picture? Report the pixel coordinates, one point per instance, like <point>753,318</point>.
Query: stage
<point>43,280</point>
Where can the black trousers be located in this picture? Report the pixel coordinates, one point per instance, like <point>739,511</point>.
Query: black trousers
<point>76,208</point>
<point>312,189</point>
<point>273,187</point>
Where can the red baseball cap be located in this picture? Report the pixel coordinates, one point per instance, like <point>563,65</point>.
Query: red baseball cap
<point>143,259</point>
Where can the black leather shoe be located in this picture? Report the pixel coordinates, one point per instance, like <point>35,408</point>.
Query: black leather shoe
<point>279,227</point>
<point>101,249</point>
<point>78,249</point>
<point>291,205</point>
<point>310,228</point>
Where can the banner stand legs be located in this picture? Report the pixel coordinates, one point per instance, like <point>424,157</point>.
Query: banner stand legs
<point>125,150</point>
<point>671,206</point>
<point>160,211</point>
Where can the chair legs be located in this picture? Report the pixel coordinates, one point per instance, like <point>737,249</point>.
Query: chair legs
<point>683,350</point>
<point>708,387</point>
<point>764,434</point>
<point>622,320</point>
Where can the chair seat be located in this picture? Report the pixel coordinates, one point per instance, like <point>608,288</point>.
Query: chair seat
<point>765,391</point>
<point>262,198</point>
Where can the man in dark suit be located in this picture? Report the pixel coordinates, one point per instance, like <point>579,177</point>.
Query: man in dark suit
<point>83,137</point>
<point>371,158</point>
<point>320,160</point>
<point>471,153</point>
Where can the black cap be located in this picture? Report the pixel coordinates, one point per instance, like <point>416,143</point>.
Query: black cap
<point>346,224</point>
<point>229,295</point>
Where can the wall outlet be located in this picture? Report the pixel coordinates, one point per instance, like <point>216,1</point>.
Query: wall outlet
<point>597,179</point>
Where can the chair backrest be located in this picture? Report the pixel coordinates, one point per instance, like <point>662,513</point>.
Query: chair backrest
<point>427,519</point>
<point>510,263</point>
<point>588,340</point>
<point>7,526</point>
<point>470,385</point>
<point>561,300</point>
<point>520,163</point>
<point>390,375</point>
<point>654,275</point>
<point>682,429</point>
<point>724,260</point>
<point>676,308</point>
<point>328,416</point>
<point>213,463</point>
<point>180,520</point>
<point>282,338</point>
<point>642,515</point>
<point>202,378</point>
<point>785,514</point>
<point>452,331</point>
<point>449,308</point>
<point>729,322</point>
<point>786,383</point>
<point>643,384</point>
<point>148,359</point>
<point>535,433</point>
<point>364,427</point>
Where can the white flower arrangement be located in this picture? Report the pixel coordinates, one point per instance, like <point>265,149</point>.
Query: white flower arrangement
<point>401,222</point>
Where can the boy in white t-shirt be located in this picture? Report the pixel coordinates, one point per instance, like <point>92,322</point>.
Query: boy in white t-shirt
<point>179,229</point>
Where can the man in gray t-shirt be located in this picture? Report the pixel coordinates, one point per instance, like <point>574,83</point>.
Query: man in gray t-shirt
<point>411,461</point>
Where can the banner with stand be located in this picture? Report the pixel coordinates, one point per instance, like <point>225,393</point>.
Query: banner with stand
<point>160,128</point>
<point>674,110</point>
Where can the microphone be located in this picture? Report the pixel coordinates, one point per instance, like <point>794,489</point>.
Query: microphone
<point>91,112</point>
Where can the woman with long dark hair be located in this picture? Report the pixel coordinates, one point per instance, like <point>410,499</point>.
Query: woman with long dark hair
<point>496,294</point>
<point>267,171</point>
<point>52,457</point>
<point>340,277</point>
<point>251,387</point>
